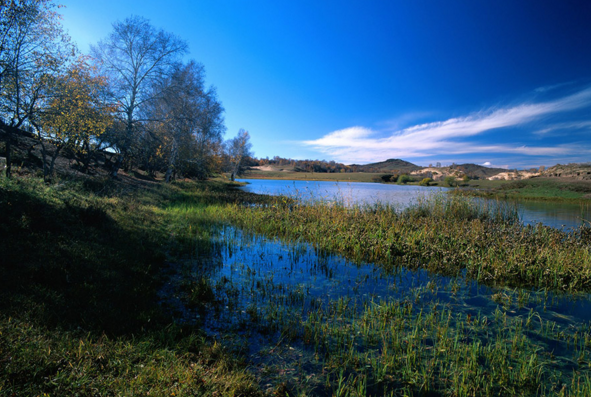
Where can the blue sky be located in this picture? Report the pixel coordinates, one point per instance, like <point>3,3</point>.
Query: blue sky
<point>505,83</point>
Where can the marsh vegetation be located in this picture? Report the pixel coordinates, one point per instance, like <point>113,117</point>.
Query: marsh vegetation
<point>197,288</point>
<point>459,298</point>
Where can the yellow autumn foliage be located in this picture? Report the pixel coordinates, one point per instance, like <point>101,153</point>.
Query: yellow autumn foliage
<point>76,111</point>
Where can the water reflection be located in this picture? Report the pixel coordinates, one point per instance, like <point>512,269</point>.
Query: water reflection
<point>349,193</point>
<point>557,215</point>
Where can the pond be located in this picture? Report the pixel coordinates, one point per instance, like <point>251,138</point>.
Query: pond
<point>559,215</point>
<point>311,323</point>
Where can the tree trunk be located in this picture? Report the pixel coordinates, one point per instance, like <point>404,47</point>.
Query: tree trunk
<point>86,157</point>
<point>172,162</point>
<point>44,155</point>
<point>8,153</point>
<point>116,165</point>
<point>49,176</point>
<point>127,145</point>
<point>236,169</point>
<point>8,130</point>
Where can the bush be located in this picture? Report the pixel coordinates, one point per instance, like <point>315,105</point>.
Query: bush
<point>426,182</point>
<point>449,181</point>
<point>403,179</point>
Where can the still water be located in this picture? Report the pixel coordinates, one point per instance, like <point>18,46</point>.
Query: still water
<point>266,294</point>
<point>559,215</point>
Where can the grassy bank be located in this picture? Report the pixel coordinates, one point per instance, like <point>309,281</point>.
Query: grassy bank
<point>80,271</point>
<point>540,189</point>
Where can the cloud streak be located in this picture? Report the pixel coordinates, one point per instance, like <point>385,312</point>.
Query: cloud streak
<point>580,125</point>
<point>452,136</point>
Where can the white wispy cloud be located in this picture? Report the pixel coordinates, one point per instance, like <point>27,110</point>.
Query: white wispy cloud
<point>579,125</point>
<point>547,88</point>
<point>362,144</point>
<point>491,165</point>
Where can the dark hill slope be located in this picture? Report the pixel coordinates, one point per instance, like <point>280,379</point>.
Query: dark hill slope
<point>389,166</point>
<point>478,171</point>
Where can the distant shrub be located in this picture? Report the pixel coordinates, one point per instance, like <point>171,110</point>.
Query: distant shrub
<point>403,179</point>
<point>449,181</point>
<point>466,178</point>
<point>426,182</point>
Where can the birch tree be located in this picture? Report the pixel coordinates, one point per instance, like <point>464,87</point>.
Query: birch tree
<point>187,120</point>
<point>238,149</point>
<point>33,49</point>
<point>134,57</point>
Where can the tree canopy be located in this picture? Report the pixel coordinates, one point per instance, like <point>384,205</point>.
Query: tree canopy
<point>133,98</point>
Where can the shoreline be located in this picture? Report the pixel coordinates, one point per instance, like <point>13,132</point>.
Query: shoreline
<point>558,190</point>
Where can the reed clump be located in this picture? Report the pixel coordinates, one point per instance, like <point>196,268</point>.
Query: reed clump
<point>449,235</point>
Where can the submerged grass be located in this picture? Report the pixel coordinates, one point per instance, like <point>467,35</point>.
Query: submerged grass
<point>449,235</point>
<point>425,339</point>
<point>404,346</point>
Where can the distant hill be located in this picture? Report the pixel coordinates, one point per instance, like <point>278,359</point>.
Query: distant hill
<point>478,171</point>
<point>393,167</point>
<point>577,171</point>
<point>389,165</point>
<point>401,166</point>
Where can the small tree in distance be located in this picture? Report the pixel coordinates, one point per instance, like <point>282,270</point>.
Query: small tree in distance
<point>404,179</point>
<point>450,181</point>
<point>426,182</point>
<point>237,149</point>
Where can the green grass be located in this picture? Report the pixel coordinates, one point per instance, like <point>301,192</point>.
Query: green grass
<point>410,343</point>
<point>170,361</point>
<point>83,263</point>
<point>404,346</point>
<point>81,268</point>
<point>444,235</point>
<point>485,183</point>
<point>543,189</point>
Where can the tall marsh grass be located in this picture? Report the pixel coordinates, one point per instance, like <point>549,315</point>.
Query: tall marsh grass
<point>455,208</point>
<point>448,235</point>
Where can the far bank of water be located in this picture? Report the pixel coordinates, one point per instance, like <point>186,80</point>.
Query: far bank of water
<point>558,215</point>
